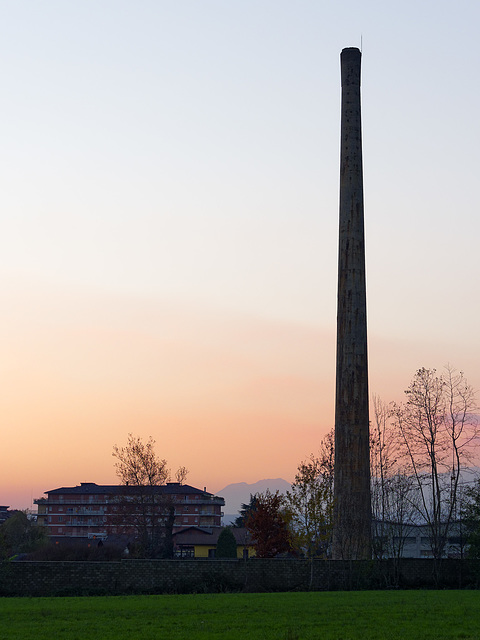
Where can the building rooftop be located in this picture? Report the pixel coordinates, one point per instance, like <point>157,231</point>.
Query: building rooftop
<point>171,488</point>
<point>202,535</point>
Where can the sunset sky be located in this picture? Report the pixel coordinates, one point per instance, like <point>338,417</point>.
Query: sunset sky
<point>169,211</point>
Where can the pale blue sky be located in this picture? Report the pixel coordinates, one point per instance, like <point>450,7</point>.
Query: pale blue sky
<point>164,146</point>
<point>186,153</point>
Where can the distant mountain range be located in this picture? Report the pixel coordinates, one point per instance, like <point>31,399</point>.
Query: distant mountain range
<point>239,493</point>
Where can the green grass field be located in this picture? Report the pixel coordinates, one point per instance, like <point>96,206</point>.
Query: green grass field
<point>284,616</point>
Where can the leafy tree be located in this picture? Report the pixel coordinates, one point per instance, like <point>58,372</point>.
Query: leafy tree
<point>310,501</point>
<point>437,427</point>
<point>246,510</point>
<point>470,519</point>
<point>226,544</point>
<point>144,508</point>
<point>269,525</point>
<point>20,534</point>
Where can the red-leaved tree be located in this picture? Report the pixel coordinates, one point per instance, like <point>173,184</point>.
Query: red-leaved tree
<point>269,525</point>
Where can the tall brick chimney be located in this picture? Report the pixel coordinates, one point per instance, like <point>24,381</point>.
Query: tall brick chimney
<point>352,506</point>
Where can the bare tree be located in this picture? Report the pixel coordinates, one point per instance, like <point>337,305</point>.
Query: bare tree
<point>394,493</point>
<point>144,507</point>
<point>138,465</point>
<point>461,426</point>
<point>382,460</point>
<point>181,475</point>
<point>437,427</point>
<point>401,516</point>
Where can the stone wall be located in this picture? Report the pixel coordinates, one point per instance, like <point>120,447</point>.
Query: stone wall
<point>208,576</point>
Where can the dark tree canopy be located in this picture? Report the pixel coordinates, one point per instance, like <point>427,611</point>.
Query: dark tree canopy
<point>20,534</point>
<point>226,545</point>
<point>471,519</point>
<point>245,511</point>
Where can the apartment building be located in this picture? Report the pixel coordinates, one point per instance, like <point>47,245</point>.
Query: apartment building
<point>4,513</point>
<point>96,511</point>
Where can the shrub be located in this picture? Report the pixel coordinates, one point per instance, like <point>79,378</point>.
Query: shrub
<point>226,545</point>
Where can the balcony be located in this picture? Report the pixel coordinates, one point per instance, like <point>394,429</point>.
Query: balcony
<point>92,513</point>
<point>201,500</point>
<point>87,512</point>
<point>65,503</point>
<point>76,534</point>
<point>81,523</point>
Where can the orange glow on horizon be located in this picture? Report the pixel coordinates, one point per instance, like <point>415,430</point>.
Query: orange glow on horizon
<point>233,399</point>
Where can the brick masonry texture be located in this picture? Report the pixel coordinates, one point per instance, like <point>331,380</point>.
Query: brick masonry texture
<point>210,576</point>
